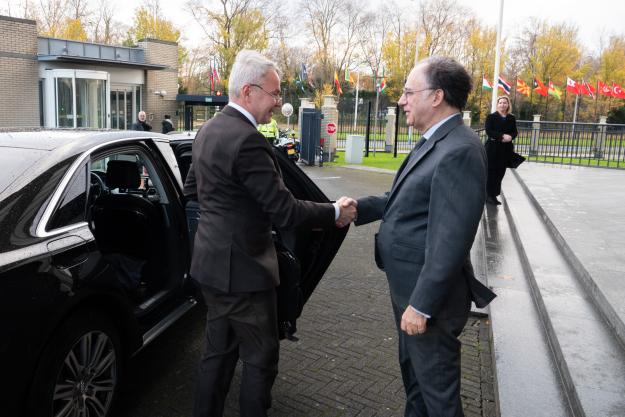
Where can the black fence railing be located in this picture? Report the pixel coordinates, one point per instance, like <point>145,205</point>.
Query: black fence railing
<point>378,141</point>
<point>589,144</point>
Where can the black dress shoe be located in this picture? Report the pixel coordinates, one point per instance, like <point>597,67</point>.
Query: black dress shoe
<point>493,200</point>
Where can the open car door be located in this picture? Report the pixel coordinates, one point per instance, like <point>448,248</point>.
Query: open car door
<point>304,254</point>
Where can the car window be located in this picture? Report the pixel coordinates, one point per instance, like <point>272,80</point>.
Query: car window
<point>148,186</point>
<point>73,203</point>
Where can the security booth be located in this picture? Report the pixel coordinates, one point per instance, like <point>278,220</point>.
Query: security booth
<point>311,135</point>
<point>195,109</point>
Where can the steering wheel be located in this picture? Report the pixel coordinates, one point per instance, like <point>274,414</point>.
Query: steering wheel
<point>97,187</point>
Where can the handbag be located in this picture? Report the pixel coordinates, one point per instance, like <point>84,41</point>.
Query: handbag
<point>515,160</point>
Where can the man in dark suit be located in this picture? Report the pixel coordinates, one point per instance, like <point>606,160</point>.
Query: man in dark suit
<point>236,179</point>
<point>429,221</point>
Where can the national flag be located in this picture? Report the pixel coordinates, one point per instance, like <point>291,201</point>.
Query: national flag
<point>503,85</point>
<point>553,91</point>
<point>572,87</point>
<point>586,89</point>
<point>299,83</point>
<point>486,85</point>
<point>604,89</point>
<point>303,74</point>
<point>215,74</point>
<point>348,76</point>
<point>540,88</point>
<point>522,88</point>
<point>383,85</point>
<point>617,91</point>
<point>337,84</point>
<point>211,77</point>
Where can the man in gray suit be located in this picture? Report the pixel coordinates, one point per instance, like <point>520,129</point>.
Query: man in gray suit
<point>236,179</point>
<point>429,221</point>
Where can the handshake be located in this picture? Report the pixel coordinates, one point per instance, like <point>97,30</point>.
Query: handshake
<point>347,211</point>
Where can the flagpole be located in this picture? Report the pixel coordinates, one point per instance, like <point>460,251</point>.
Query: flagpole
<point>597,100</point>
<point>356,103</point>
<point>532,97</point>
<point>547,101</point>
<point>564,104</point>
<point>516,82</point>
<point>479,106</point>
<point>375,118</point>
<point>575,114</point>
<point>493,103</point>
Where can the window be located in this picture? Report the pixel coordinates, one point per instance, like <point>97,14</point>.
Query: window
<point>75,98</point>
<point>64,102</point>
<point>73,204</point>
<point>90,103</point>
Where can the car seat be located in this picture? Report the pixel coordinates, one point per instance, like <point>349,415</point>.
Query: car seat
<point>127,226</point>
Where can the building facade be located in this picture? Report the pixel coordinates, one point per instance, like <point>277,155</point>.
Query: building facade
<point>52,83</point>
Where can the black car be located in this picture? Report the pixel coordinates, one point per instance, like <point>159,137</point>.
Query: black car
<point>95,244</point>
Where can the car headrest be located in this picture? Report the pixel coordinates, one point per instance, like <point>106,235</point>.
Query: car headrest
<point>122,174</point>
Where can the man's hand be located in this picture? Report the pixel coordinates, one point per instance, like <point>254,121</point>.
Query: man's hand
<point>348,212</point>
<point>506,138</point>
<point>412,322</point>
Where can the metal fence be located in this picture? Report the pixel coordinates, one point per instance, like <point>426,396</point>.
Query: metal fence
<point>588,144</point>
<point>375,130</point>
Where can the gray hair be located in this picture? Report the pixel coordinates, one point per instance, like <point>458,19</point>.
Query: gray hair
<point>250,67</point>
<point>450,76</point>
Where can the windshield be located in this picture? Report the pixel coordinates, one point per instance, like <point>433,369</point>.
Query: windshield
<point>14,162</point>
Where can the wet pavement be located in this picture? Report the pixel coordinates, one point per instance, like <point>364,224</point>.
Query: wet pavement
<point>586,206</point>
<point>345,362</point>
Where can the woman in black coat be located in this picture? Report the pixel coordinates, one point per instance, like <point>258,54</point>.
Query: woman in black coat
<point>501,130</point>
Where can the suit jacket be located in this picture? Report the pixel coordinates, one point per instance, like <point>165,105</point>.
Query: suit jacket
<point>429,221</point>
<point>241,194</point>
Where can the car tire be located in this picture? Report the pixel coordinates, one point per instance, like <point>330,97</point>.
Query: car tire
<point>79,369</point>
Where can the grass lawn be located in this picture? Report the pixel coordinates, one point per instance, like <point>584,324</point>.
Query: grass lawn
<point>386,161</point>
<point>380,160</point>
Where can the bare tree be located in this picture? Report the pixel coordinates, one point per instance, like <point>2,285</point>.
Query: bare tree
<point>443,24</point>
<point>78,9</point>
<point>51,16</point>
<point>104,29</point>
<point>372,35</point>
<point>333,25</point>
<point>239,24</point>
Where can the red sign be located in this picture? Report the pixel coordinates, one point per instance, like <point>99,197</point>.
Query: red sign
<point>331,128</point>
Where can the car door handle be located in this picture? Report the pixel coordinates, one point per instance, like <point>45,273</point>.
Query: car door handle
<point>74,253</point>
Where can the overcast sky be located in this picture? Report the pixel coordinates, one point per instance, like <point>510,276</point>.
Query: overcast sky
<point>593,19</point>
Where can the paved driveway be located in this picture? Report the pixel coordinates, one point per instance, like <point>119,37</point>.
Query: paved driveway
<point>345,363</point>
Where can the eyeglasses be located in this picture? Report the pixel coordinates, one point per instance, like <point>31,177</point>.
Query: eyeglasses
<point>276,96</point>
<point>408,91</point>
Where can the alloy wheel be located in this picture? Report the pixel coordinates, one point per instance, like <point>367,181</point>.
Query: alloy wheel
<point>87,380</point>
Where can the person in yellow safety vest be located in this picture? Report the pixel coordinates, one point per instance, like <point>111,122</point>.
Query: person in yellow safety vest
<point>270,130</point>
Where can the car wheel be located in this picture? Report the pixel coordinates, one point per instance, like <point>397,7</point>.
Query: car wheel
<point>79,373</point>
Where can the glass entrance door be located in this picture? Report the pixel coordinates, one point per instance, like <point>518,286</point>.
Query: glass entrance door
<point>123,100</point>
<point>118,110</point>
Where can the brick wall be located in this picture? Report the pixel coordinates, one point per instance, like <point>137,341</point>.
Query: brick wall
<point>160,53</point>
<point>19,88</point>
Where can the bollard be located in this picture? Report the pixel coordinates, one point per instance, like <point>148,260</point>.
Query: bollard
<point>535,136</point>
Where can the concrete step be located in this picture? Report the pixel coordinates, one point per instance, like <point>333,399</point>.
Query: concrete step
<point>588,356</point>
<point>526,377</point>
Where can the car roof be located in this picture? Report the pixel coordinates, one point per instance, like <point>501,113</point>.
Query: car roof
<point>80,140</point>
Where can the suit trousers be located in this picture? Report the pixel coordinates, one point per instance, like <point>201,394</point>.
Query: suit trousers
<point>238,326</point>
<point>430,367</point>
